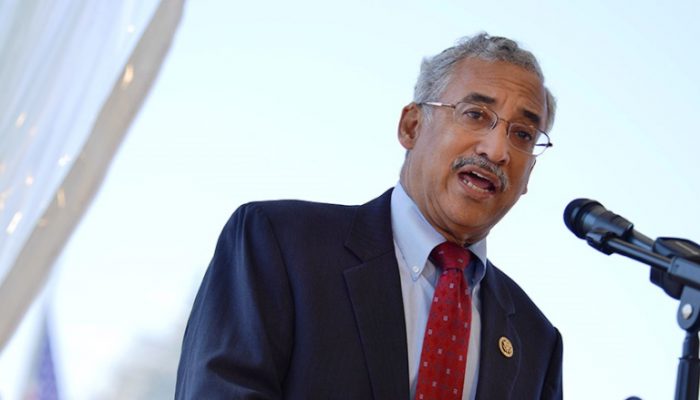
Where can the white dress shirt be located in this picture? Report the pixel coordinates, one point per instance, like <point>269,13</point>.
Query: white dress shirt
<point>414,239</point>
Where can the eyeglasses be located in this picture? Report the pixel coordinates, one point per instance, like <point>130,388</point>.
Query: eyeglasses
<point>481,120</point>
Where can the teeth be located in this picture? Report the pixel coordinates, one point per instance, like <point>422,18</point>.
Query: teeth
<point>471,185</point>
<point>481,176</point>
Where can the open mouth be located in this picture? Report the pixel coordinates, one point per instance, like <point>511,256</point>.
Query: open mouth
<point>478,182</point>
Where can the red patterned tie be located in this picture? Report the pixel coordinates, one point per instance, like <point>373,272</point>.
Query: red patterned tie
<point>444,355</point>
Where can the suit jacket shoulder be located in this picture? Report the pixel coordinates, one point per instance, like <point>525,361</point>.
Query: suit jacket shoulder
<point>301,300</point>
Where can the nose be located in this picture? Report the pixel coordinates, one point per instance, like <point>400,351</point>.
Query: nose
<point>494,144</point>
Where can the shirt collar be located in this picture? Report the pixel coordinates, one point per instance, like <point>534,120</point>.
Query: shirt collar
<point>416,238</point>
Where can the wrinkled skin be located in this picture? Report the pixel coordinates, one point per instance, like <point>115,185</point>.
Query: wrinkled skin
<point>458,205</point>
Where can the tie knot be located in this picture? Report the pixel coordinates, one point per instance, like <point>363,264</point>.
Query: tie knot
<point>448,255</point>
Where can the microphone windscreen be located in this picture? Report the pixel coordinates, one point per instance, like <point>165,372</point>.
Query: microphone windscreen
<point>575,213</point>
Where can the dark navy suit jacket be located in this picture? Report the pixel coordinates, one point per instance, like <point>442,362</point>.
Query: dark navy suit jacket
<point>303,301</point>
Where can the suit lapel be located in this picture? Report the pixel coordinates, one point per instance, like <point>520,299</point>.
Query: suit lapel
<point>374,288</point>
<point>497,372</point>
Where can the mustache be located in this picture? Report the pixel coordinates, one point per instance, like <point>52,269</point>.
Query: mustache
<point>484,163</point>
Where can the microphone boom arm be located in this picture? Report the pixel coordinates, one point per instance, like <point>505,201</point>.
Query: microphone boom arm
<point>676,271</point>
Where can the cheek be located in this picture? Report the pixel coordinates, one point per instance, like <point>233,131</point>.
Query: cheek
<point>452,145</point>
<point>435,154</point>
<point>438,149</point>
<point>522,176</point>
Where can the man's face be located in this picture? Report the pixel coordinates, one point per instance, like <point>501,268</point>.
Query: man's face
<point>463,201</point>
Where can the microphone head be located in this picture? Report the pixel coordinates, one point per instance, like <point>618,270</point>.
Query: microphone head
<point>574,215</point>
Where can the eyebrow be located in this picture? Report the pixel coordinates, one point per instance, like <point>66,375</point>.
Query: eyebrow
<point>483,99</point>
<point>478,98</point>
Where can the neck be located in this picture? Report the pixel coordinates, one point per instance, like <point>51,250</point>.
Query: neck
<point>463,240</point>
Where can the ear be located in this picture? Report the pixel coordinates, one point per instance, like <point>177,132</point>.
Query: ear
<point>534,161</point>
<point>409,125</point>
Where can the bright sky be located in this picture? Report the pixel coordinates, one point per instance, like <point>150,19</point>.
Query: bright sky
<point>301,100</point>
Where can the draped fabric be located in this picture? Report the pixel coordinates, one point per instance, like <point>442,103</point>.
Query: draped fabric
<point>73,74</point>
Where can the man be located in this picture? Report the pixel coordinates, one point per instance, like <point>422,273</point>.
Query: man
<point>317,301</point>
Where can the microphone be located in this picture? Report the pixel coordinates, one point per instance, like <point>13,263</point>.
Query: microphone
<point>583,216</point>
<point>610,233</point>
<point>675,268</point>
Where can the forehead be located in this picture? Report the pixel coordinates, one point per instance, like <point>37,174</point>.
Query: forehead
<point>509,87</point>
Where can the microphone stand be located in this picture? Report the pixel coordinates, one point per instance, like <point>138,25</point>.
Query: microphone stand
<point>676,269</point>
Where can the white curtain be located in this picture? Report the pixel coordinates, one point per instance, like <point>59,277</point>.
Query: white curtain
<point>73,74</point>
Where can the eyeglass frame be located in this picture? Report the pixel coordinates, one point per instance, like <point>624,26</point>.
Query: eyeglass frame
<point>495,123</point>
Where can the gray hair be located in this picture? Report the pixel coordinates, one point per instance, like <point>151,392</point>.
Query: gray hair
<point>435,72</point>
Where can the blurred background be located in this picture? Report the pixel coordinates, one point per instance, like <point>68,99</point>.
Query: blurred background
<point>206,105</point>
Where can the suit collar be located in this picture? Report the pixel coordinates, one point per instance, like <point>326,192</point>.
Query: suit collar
<point>496,286</point>
<point>497,372</point>
<point>370,234</point>
<point>374,288</point>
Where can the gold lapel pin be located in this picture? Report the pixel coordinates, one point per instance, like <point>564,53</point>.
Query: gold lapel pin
<point>505,346</point>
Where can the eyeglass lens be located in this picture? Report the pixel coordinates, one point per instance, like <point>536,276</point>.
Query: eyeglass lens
<point>480,119</point>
